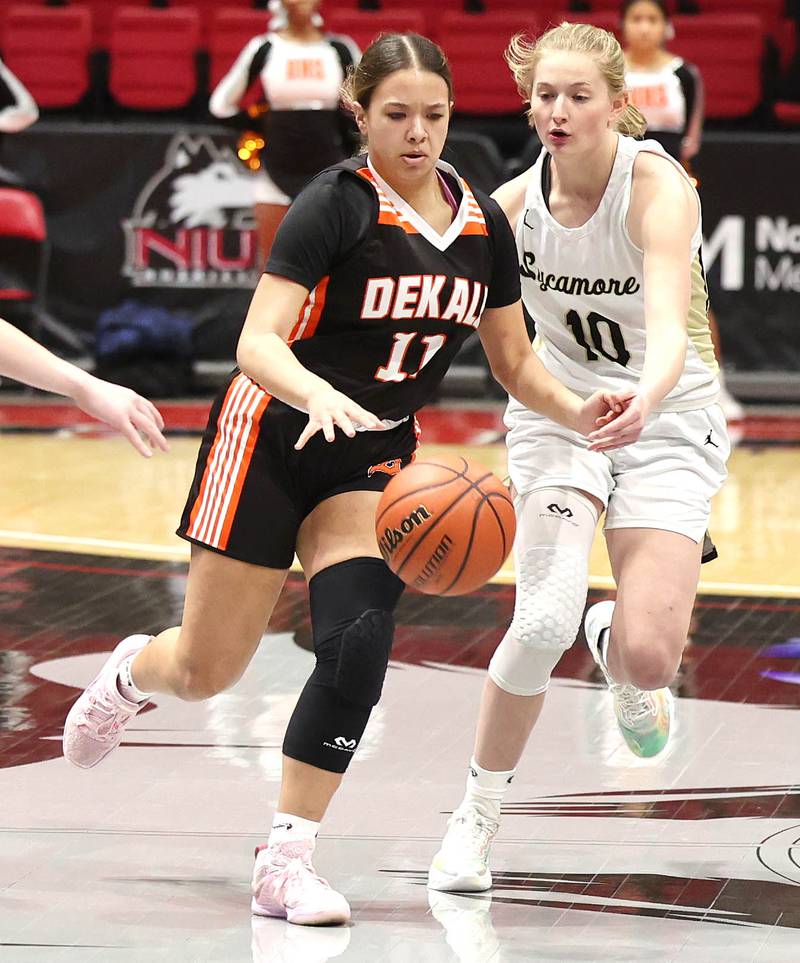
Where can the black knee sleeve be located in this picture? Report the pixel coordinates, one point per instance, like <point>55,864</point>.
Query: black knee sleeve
<point>352,605</point>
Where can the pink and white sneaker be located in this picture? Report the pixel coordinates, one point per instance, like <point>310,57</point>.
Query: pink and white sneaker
<point>96,722</point>
<point>285,884</point>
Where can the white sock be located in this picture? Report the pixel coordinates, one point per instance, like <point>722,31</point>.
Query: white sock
<point>602,648</point>
<point>127,688</point>
<point>485,789</point>
<point>287,827</point>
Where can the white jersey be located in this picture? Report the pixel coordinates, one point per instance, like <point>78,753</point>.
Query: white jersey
<point>295,76</point>
<point>584,288</point>
<point>660,96</point>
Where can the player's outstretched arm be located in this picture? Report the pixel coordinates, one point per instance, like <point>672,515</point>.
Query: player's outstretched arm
<point>264,355</point>
<point>25,360</point>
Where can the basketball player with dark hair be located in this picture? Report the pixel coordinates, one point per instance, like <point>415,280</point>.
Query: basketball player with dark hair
<point>380,270</point>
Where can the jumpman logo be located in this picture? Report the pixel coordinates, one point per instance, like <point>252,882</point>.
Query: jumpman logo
<point>708,440</point>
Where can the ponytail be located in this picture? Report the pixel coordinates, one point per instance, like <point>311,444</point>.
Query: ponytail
<point>631,122</point>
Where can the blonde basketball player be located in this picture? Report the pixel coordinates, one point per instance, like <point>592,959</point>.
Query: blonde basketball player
<point>608,235</point>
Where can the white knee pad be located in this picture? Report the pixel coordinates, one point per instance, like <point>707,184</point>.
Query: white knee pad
<point>555,529</point>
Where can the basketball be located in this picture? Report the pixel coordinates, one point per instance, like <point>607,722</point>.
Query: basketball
<point>445,525</point>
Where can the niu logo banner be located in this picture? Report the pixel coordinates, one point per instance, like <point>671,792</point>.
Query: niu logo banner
<point>192,224</point>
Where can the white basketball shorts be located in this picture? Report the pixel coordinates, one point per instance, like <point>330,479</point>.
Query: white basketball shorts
<point>664,480</point>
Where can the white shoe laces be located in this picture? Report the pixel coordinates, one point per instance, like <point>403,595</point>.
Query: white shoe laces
<point>102,716</point>
<point>469,828</point>
<point>635,705</point>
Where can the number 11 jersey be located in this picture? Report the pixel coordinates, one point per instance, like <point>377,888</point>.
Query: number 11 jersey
<point>390,300</point>
<point>584,289</point>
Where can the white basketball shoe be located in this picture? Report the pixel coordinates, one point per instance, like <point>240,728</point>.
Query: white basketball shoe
<point>644,716</point>
<point>462,863</point>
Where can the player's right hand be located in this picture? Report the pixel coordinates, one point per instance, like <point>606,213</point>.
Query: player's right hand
<point>329,409</point>
<point>122,409</point>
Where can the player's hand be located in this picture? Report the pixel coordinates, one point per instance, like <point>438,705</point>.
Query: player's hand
<point>616,429</point>
<point>329,409</point>
<point>601,408</point>
<point>122,409</point>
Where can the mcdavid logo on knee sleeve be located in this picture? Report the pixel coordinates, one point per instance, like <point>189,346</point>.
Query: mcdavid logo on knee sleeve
<point>342,743</point>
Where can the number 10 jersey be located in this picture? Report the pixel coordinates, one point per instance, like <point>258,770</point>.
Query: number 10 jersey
<point>584,289</point>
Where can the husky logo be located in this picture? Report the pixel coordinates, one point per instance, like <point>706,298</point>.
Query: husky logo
<point>192,223</point>
<point>391,467</point>
<point>392,537</point>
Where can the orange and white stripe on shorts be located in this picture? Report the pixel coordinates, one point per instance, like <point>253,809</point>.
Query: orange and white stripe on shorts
<point>228,461</point>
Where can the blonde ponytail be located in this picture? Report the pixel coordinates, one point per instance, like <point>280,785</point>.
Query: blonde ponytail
<point>631,122</point>
<point>523,56</point>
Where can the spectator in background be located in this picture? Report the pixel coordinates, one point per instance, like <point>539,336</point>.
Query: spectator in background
<point>301,70</point>
<point>665,88</point>
<point>18,110</point>
<point>669,92</point>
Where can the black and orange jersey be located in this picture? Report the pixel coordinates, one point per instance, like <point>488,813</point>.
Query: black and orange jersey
<point>390,300</point>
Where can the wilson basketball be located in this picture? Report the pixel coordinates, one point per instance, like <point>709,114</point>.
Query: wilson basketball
<point>445,525</point>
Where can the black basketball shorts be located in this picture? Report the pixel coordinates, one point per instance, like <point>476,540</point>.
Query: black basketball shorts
<point>252,490</point>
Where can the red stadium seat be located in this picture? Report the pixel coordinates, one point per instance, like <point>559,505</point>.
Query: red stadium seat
<point>474,44</point>
<point>22,220</point>
<point>613,6</point>
<point>208,10</point>
<point>728,51</point>
<point>605,19</point>
<point>546,13</point>
<point>229,31</point>
<point>48,49</point>
<point>769,11</point>
<point>103,14</point>
<point>788,113</point>
<point>364,25</point>
<point>152,57</point>
<point>785,37</point>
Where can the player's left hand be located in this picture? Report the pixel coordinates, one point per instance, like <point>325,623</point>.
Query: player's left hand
<point>600,409</point>
<point>623,423</point>
<point>122,409</point>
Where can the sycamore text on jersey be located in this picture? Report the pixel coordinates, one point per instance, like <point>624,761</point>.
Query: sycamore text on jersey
<point>575,285</point>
